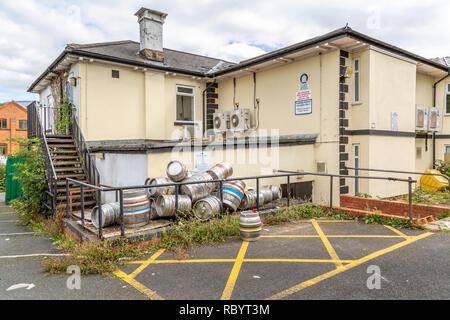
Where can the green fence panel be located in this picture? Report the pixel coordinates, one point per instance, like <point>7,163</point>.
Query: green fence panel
<point>13,187</point>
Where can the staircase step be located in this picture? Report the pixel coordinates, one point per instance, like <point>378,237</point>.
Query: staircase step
<point>60,136</point>
<point>70,175</point>
<point>87,196</point>
<point>65,146</point>
<point>58,140</point>
<point>63,183</point>
<point>65,163</point>
<point>64,169</point>
<point>61,190</point>
<point>65,157</point>
<point>63,151</point>
<point>76,204</point>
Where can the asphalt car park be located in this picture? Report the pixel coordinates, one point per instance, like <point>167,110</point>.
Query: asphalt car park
<point>314,259</point>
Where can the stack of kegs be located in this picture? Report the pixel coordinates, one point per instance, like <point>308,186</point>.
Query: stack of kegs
<point>202,197</point>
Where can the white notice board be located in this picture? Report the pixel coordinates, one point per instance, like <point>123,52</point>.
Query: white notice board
<point>201,161</point>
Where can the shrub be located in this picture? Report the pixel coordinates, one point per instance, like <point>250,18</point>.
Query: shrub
<point>2,177</point>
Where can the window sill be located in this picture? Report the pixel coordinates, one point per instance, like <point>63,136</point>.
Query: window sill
<point>184,123</point>
<point>356,103</point>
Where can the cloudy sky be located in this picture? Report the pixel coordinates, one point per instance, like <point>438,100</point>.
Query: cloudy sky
<point>34,32</point>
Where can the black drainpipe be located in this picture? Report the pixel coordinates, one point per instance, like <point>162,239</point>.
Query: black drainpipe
<point>434,105</point>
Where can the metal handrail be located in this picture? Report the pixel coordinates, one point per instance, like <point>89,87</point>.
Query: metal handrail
<point>402,172</point>
<point>286,174</point>
<point>91,170</point>
<point>35,129</point>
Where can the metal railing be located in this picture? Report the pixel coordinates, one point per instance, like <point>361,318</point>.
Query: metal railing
<point>284,174</point>
<point>35,129</point>
<point>44,120</point>
<point>83,150</point>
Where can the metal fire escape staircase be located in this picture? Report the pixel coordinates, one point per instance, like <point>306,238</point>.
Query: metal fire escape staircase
<point>66,155</point>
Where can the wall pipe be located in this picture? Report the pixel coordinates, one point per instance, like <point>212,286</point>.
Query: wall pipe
<point>434,105</point>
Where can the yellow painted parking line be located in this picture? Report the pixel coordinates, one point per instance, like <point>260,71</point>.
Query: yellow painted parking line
<point>146,263</point>
<point>194,261</point>
<point>226,295</point>
<point>353,264</point>
<point>334,236</point>
<point>137,285</point>
<point>326,243</point>
<point>320,220</point>
<point>401,234</point>
<point>299,260</point>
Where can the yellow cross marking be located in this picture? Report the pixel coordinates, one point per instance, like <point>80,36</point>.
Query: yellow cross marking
<point>226,295</point>
<point>336,271</point>
<point>341,265</point>
<point>326,243</point>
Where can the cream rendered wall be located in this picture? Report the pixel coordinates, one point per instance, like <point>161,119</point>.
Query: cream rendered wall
<point>424,97</point>
<point>358,113</point>
<point>276,89</point>
<point>392,88</point>
<point>137,105</point>
<point>111,109</point>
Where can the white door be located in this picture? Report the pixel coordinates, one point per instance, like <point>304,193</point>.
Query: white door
<point>356,165</point>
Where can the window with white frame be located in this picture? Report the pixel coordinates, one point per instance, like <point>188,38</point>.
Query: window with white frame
<point>185,103</point>
<point>447,98</point>
<point>356,81</point>
<point>447,148</point>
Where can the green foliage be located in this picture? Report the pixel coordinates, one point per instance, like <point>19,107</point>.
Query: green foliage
<point>2,177</point>
<point>444,215</point>
<point>442,166</point>
<point>300,212</point>
<point>394,222</point>
<point>64,119</point>
<point>420,196</point>
<point>364,195</point>
<point>31,175</point>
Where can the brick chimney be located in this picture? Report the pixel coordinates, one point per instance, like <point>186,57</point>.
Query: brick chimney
<point>151,33</point>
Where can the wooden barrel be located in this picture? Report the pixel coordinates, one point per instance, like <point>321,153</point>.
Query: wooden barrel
<point>204,208</point>
<point>110,214</point>
<point>165,205</point>
<point>136,208</point>
<point>155,192</point>
<point>233,192</point>
<point>250,225</point>
<point>199,190</point>
<point>176,171</point>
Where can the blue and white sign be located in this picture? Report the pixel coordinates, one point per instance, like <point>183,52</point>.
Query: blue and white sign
<point>303,107</point>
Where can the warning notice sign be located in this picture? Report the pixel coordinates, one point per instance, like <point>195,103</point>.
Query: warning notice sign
<point>303,107</point>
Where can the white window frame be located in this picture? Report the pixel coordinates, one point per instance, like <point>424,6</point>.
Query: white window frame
<point>446,93</point>
<point>354,80</point>
<point>357,185</point>
<point>445,148</point>
<point>188,95</point>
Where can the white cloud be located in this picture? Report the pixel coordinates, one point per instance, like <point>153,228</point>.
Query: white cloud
<point>34,32</point>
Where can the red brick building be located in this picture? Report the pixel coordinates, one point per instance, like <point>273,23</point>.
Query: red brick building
<point>13,124</point>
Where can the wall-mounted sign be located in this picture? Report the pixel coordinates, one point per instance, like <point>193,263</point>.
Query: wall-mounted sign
<point>304,81</point>
<point>201,161</point>
<point>303,107</point>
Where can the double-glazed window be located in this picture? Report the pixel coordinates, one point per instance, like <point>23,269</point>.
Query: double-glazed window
<point>356,81</point>
<point>23,124</point>
<point>447,98</point>
<point>3,124</point>
<point>185,103</point>
<point>3,149</point>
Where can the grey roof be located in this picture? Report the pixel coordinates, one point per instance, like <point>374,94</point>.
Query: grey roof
<point>173,59</point>
<point>443,60</point>
<point>24,104</point>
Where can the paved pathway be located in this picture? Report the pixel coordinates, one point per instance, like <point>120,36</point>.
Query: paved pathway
<point>20,265</point>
